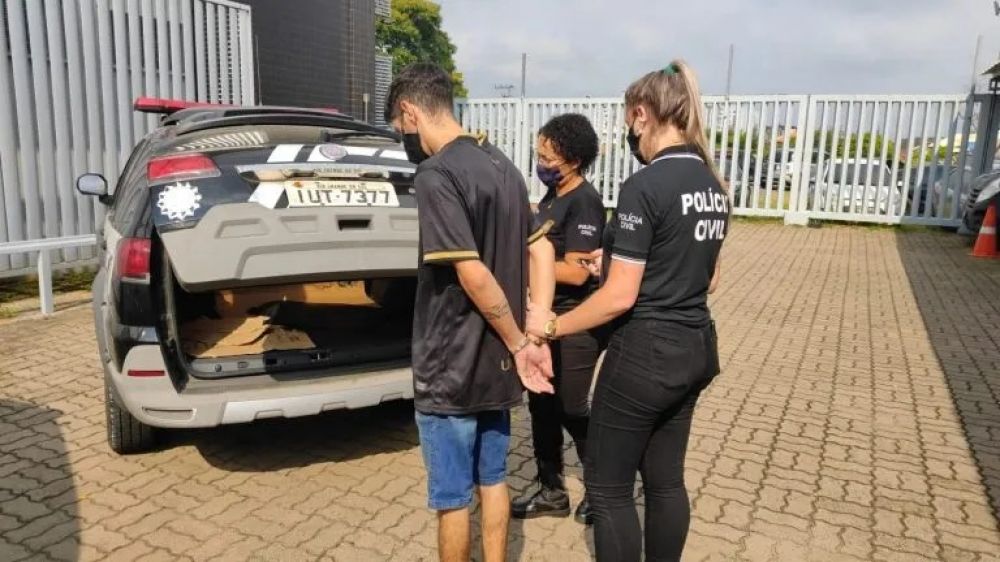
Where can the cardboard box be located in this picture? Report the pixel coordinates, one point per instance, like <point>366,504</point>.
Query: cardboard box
<point>228,337</point>
<point>239,302</point>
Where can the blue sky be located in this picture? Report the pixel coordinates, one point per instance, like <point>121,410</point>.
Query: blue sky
<point>596,47</point>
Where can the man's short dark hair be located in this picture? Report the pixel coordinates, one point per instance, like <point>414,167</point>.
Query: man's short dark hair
<point>573,138</point>
<point>423,84</point>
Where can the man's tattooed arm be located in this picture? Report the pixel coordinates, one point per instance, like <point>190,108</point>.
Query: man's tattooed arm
<point>497,311</point>
<point>482,288</point>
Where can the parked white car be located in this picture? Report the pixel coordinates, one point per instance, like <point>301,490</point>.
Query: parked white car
<point>856,185</point>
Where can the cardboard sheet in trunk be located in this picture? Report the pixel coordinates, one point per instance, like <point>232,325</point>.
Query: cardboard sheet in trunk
<point>239,302</point>
<point>228,337</point>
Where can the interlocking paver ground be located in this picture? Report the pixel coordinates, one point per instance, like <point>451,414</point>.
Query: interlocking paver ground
<point>857,418</point>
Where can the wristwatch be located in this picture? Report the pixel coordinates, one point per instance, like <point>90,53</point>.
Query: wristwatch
<point>550,329</point>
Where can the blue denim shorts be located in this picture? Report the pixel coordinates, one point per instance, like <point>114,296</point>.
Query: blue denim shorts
<point>461,452</point>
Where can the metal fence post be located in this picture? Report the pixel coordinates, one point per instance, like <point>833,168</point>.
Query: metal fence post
<point>797,213</point>
<point>45,282</point>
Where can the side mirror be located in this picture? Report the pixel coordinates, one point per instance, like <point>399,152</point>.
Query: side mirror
<point>93,184</point>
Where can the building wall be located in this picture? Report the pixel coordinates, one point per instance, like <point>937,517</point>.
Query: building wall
<point>359,64</point>
<point>315,53</point>
<point>383,79</point>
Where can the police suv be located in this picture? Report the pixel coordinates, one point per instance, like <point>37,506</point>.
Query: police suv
<point>256,262</point>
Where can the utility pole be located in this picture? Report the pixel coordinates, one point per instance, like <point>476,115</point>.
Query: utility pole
<point>729,81</point>
<point>975,63</point>
<point>729,73</point>
<point>524,71</point>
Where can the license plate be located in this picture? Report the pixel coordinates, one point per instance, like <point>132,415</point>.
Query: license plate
<point>341,194</point>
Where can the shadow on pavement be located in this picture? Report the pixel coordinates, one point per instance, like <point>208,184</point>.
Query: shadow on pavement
<point>277,444</point>
<point>38,499</point>
<point>959,300</point>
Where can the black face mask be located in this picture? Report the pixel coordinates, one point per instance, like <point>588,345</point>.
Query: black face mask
<point>414,151</point>
<point>633,145</point>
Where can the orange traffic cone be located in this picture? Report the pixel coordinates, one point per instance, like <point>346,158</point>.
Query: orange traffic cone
<point>986,242</point>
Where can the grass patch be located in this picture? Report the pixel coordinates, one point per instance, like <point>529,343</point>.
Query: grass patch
<point>929,229</point>
<point>18,288</point>
<point>922,228</point>
<point>749,219</point>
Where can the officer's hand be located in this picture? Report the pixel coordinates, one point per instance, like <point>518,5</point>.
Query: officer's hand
<point>537,317</point>
<point>593,262</point>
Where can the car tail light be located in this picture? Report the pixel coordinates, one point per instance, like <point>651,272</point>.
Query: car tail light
<point>133,259</point>
<point>141,373</point>
<point>181,167</point>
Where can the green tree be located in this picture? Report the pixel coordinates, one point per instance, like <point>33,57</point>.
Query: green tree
<point>928,156</point>
<point>848,147</point>
<point>413,34</point>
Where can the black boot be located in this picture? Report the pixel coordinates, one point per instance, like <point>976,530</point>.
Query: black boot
<point>544,502</point>
<point>549,499</point>
<point>583,514</point>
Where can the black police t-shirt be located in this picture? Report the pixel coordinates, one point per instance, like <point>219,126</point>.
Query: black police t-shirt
<point>472,203</point>
<point>672,216</point>
<point>577,224</point>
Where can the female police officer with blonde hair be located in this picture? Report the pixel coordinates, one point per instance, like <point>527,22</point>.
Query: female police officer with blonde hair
<point>661,254</point>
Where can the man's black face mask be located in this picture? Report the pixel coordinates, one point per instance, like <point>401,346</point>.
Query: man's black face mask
<point>414,151</point>
<point>411,144</point>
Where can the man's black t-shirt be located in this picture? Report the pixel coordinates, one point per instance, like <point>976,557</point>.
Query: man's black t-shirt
<point>472,203</point>
<point>672,216</point>
<point>577,223</point>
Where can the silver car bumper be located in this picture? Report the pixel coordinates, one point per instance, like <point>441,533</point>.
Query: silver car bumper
<point>156,402</point>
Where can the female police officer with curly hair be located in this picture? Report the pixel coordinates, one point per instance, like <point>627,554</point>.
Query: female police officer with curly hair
<point>572,208</point>
<point>663,247</point>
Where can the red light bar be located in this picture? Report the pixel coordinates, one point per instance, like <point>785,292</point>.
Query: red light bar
<point>168,106</point>
<point>181,166</point>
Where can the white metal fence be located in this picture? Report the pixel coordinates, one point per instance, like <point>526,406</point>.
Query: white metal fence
<point>888,159</point>
<point>69,72</point>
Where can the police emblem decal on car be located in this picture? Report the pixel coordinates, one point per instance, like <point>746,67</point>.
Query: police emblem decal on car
<point>179,201</point>
<point>331,152</point>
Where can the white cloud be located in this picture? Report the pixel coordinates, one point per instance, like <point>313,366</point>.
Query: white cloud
<point>596,47</point>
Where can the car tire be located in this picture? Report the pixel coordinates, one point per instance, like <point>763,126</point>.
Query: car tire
<point>126,435</point>
<point>972,222</point>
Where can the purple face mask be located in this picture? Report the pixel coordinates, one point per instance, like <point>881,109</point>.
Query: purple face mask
<point>551,177</point>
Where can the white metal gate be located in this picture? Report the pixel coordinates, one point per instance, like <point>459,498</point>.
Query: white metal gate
<point>69,72</point>
<point>889,159</point>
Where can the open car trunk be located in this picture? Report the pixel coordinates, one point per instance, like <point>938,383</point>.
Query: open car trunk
<point>292,327</point>
<point>286,247</point>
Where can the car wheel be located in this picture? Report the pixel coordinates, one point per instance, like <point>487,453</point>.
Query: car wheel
<point>126,434</point>
<point>973,221</point>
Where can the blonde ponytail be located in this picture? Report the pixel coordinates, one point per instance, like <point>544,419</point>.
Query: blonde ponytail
<point>672,96</point>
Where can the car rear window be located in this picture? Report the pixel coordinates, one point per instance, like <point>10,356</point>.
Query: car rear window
<point>260,136</point>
